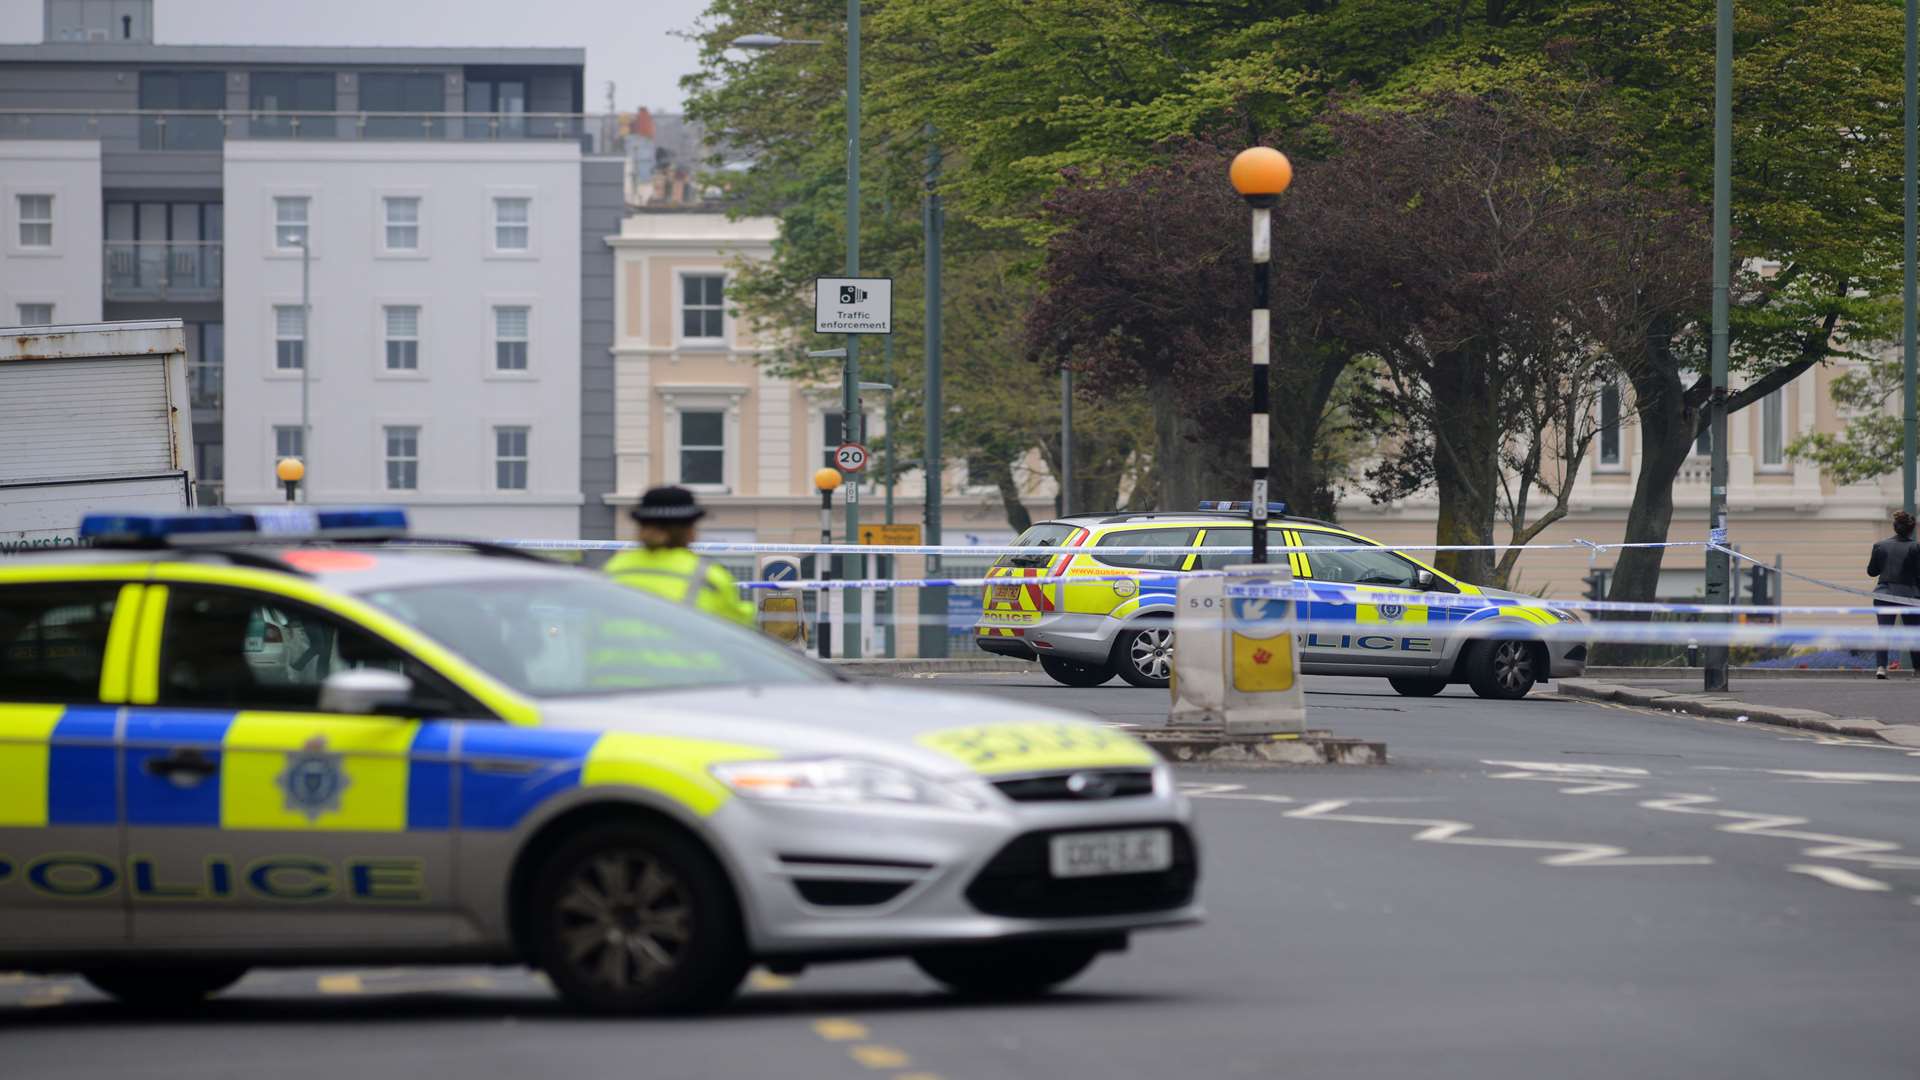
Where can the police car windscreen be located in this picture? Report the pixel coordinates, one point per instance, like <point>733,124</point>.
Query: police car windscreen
<point>548,638</point>
<point>1048,535</point>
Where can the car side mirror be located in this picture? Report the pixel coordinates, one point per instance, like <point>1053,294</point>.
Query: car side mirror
<point>1424,580</point>
<point>365,691</point>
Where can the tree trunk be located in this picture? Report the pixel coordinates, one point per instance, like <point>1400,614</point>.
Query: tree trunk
<point>1176,460</point>
<point>1666,437</point>
<point>1466,464</point>
<point>1017,514</point>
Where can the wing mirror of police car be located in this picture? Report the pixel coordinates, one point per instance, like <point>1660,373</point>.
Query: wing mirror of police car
<point>366,691</point>
<point>1424,580</point>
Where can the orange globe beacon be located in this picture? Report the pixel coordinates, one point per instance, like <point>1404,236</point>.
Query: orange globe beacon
<point>1260,172</point>
<point>826,479</point>
<point>290,470</point>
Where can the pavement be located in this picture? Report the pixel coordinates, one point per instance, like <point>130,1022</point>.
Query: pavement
<point>1549,887</point>
<point>1886,709</point>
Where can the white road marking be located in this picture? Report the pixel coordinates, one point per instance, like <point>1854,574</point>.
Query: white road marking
<point>1442,831</point>
<point>1571,768</point>
<point>1823,777</point>
<point>1846,879</point>
<point>1874,853</point>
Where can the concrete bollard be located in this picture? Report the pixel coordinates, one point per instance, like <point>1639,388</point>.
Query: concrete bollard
<point>1236,667</point>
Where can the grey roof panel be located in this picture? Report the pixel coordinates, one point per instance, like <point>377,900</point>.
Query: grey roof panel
<point>347,55</point>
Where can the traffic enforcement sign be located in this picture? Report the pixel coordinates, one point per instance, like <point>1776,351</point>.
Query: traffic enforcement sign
<point>850,457</point>
<point>853,305</point>
<point>906,534</point>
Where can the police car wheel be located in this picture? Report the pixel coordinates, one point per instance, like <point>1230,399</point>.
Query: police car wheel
<point>1144,656</point>
<point>1413,686</point>
<point>1503,670</point>
<point>1007,971</point>
<point>636,919</point>
<point>1069,673</point>
<point>164,985</point>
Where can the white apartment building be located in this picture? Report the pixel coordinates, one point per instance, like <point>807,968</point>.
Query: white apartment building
<point>441,356</point>
<point>49,231</point>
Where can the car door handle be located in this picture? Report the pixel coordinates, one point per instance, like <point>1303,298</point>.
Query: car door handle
<point>183,767</point>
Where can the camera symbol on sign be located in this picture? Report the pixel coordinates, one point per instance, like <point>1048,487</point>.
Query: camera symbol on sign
<point>850,294</point>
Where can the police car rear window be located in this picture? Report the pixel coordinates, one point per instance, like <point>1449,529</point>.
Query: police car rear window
<point>1039,536</point>
<point>53,639</point>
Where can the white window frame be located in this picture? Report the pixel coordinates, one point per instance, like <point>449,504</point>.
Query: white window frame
<point>1777,403</point>
<point>384,224</point>
<point>383,459</point>
<point>494,308</point>
<point>494,198</point>
<point>20,312</point>
<point>274,201</point>
<point>525,459</point>
<point>726,400</point>
<point>274,339</point>
<point>21,221</point>
<point>680,337</point>
<point>384,328</point>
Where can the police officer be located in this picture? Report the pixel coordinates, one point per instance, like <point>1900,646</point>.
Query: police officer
<point>665,567</point>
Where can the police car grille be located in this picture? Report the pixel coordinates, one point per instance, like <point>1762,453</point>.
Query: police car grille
<point>1016,883</point>
<point>1126,783</point>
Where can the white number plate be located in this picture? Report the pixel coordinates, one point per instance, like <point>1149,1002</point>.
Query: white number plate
<point>1137,851</point>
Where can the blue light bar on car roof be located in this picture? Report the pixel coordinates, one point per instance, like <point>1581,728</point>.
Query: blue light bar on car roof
<point>233,526</point>
<point>1219,504</point>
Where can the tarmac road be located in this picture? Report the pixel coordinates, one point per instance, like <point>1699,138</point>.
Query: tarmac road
<point>1530,889</point>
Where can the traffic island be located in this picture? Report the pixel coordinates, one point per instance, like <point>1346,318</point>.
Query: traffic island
<point>1311,748</point>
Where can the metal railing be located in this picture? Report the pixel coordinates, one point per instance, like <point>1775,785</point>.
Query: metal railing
<point>208,129</point>
<point>163,270</point>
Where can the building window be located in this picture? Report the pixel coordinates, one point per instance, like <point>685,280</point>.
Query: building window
<point>290,222</point>
<point>980,473</point>
<point>510,338</point>
<point>703,447</point>
<point>291,92</point>
<point>166,95</point>
<point>206,360</point>
<point>418,95</point>
<point>36,220</point>
<point>1610,424</point>
<point>1703,442</point>
<point>512,224</point>
<point>510,458</point>
<point>36,314</point>
<point>403,338</point>
<point>403,458</point>
<point>289,442</point>
<point>289,337</point>
<point>703,308</point>
<point>1773,429</point>
<point>403,223</point>
<point>210,468</point>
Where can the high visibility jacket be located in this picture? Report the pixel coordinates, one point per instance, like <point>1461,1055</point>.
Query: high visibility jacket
<point>682,577</point>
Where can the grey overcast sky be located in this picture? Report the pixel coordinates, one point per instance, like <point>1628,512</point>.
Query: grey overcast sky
<point>628,42</point>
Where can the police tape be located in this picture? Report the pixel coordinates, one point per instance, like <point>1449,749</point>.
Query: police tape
<point>1881,598</point>
<point>715,547</point>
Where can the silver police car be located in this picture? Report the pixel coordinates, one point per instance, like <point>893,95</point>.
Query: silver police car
<point>224,745</point>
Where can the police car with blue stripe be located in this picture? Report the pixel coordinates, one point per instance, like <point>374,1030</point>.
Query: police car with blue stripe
<point>296,737</point>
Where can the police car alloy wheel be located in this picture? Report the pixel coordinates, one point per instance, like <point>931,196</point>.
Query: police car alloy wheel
<point>164,985</point>
<point>631,918</point>
<point>1017,970</point>
<point>1503,670</point>
<point>1416,686</point>
<point>1144,656</point>
<point>1069,673</point>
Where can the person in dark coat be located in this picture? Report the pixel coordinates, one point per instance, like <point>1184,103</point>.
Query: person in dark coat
<point>1896,562</point>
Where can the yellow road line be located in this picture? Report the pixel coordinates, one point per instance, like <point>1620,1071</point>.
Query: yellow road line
<point>767,980</point>
<point>880,1057</point>
<point>834,1029</point>
<point>341,984</point>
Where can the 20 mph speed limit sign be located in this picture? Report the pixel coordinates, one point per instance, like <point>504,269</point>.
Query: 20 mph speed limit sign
<point>850,457</point>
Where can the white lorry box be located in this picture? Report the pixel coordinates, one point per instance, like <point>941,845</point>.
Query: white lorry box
<point>92,417</point>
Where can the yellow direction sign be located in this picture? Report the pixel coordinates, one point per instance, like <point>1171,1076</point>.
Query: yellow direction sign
<point>890,534</point>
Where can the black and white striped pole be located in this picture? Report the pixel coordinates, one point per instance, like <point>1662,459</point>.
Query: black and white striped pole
<point>1260,174</point>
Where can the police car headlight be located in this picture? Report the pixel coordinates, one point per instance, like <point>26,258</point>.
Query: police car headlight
<point>840,780</point>
<point>1564,616</point>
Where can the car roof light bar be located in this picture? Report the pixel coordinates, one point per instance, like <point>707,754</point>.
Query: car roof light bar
<point>266,524</point>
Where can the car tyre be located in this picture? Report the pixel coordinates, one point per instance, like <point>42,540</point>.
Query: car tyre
<point>634,918</point>
<point>1416,685</point>
<point>1143,655</point>
<point>1073,673</point>
<point>164,986</point>
<point>1503,670</point>
<point>1007,971</point>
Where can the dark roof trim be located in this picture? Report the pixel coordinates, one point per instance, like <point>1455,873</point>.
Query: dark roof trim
<point>240,55</point>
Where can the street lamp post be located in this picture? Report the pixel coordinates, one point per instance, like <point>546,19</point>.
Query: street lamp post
<point>1719,567</point>
<point>1911,418</point>
<point>1260,174</point>
<point>1066,440</point>
<point>825,480</point>
<point>290,471</point>
<point>306,351</point>
<point>933,644</point>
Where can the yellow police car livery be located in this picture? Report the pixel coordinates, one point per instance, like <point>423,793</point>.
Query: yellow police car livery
<point>231,740</point>
<point>1121,622</point>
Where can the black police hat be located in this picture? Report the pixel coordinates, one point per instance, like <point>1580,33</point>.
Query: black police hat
<point>665,505</point>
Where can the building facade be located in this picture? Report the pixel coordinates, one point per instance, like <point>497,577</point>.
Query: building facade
<point>172,172</point>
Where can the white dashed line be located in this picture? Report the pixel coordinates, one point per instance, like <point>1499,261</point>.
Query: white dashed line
<point>1846,879</point>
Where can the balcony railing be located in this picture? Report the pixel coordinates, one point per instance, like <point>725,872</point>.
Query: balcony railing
<point>163,270</point>
<point>208,129</point>
<point>205,384</point>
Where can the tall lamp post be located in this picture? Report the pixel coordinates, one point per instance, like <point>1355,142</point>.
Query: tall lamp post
<point>1260,174</point>
<point>1912,420</point>
<point>1719,567</point>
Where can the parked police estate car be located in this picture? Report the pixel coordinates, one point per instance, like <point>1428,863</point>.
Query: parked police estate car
<point>1085,633</point>
<point>217,753</point>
